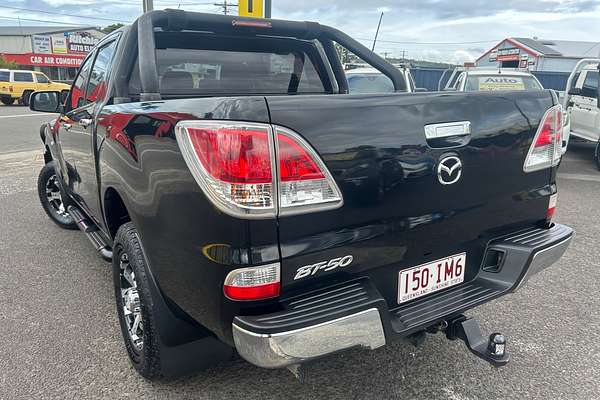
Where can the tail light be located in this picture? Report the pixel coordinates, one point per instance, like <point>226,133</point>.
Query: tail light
<point>254,283</point>
<point>546,149</point>
<point>551,207</point>
<point>251,170</point>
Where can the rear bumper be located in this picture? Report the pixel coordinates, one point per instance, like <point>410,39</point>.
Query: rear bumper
<point>354,314</point>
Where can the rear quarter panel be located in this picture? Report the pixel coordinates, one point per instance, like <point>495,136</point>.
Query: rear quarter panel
<point>190,245</point>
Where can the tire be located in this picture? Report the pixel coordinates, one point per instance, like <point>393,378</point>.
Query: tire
<point>52,198</point>
<point>597,155</point>
<point>25,97</point>
<point>7,101</point>
<point>132,294</point>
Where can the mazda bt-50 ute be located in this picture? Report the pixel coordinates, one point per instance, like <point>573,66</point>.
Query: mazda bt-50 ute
<point>250,204</point>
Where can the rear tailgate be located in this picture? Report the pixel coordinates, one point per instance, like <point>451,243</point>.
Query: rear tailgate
<point>396,213</point>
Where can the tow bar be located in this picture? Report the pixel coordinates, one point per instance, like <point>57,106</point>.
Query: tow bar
<point>492,349</point>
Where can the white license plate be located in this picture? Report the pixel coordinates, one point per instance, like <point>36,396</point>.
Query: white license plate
<point>431,277</point>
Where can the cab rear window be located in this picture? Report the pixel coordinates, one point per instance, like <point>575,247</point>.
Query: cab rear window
<point>227,67</point>
<point>4,76</point>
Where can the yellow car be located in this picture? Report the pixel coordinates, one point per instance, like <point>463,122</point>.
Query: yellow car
<point>18,85</point>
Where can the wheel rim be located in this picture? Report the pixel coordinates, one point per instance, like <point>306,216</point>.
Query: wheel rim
<point>55,198</point>
<point>132,310</point>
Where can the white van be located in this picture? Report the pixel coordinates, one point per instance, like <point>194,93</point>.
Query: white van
<point>581,103</point>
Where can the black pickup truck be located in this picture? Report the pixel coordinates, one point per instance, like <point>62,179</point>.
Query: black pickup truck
<point>250,204</point>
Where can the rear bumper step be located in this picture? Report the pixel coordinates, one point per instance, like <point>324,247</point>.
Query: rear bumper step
<point>354,314</point>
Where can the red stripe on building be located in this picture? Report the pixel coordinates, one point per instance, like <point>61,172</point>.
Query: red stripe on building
<point>45,60</point>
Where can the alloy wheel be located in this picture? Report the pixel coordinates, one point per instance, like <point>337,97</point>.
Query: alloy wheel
<point>132,310</point>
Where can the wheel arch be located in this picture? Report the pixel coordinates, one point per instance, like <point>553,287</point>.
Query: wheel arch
<point>116,212</point>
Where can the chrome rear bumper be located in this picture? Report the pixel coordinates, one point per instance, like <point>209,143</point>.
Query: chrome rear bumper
<point>363,329</point>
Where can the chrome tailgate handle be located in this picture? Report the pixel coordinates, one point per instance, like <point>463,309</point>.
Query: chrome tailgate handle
<point>447,129</point>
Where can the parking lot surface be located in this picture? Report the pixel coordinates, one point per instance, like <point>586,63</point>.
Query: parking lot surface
<point>60,336</point>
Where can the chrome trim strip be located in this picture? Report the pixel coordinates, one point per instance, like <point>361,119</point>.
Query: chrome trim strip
<point>545,258</point>
<point>447,129</point>
<point>278,350</point>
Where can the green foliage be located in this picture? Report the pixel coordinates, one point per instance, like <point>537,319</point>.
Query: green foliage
<point>113,27</point>
<point>7,64</point>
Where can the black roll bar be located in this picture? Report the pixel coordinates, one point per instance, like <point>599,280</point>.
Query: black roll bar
<point>179,20</point>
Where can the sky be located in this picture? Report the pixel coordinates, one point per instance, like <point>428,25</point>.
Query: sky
<point>448,31</point>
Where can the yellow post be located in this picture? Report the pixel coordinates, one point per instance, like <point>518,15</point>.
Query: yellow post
<point>251,8</point>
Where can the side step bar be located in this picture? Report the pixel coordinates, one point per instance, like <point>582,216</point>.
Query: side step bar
<point>91,232</point>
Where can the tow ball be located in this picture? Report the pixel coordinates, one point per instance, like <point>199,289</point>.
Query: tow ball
<point>491,349</point>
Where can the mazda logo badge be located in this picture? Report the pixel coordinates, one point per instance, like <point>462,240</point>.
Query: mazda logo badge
<point>449,170</point>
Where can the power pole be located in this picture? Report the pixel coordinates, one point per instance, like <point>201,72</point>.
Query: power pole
<point>377,32</point>
<point>225,5</point>
<point>147,5</point>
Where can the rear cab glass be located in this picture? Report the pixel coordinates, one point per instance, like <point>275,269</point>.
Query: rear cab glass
<point>207,66</point>
<point>369,83</point>
<point>4,76</point>
<point>501,82</point>
<point>22,77</point>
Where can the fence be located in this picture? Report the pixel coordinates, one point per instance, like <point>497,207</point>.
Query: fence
<point>428,78</point>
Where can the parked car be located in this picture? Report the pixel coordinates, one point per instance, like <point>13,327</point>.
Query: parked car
<point>581,104</point>
<point>370,80</point>
<point>262,209</point>
<point>472,80</point>
<point>18,85</point>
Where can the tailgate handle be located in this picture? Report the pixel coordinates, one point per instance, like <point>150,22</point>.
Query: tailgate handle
<point>447,129</point>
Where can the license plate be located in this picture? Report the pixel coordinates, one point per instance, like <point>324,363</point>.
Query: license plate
<point>431,277</point>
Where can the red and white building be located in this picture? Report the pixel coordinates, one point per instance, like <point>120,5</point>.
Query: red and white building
<point>538,54</point>
<point>56,51</point>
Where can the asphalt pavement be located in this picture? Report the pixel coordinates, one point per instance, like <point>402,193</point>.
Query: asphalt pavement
<point>59,335</point>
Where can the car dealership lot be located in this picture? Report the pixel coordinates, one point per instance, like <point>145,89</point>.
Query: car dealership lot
<point>60,335</point>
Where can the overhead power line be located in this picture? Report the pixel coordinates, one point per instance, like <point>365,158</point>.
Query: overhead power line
<point>41,20</point>
<point>427,43</point>
<point>65,15</point>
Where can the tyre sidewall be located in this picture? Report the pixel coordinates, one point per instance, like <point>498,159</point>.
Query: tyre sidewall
<point>25,97</point>
<point>45,174</point>
<point>147,360</point>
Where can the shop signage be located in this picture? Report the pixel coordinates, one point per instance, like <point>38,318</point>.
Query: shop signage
<point>508,54</point>
<point>81,42</point>
<point>59,45</point>
<point>41,44</point>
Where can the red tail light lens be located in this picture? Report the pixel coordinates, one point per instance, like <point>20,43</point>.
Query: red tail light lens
<point>233,163</point>
<point>294,162</point>
<point>232,154</point>
<point>552,207</point>
<point>546,149</point>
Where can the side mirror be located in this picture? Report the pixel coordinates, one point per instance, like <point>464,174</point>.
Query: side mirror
<point>45,101</point>
<point>575,91</point>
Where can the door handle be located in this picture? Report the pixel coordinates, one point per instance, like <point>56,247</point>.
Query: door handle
<point>85,122</point>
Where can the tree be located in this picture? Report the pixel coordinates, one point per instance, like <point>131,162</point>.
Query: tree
<point>113,27</point>
<point>7,64</point>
